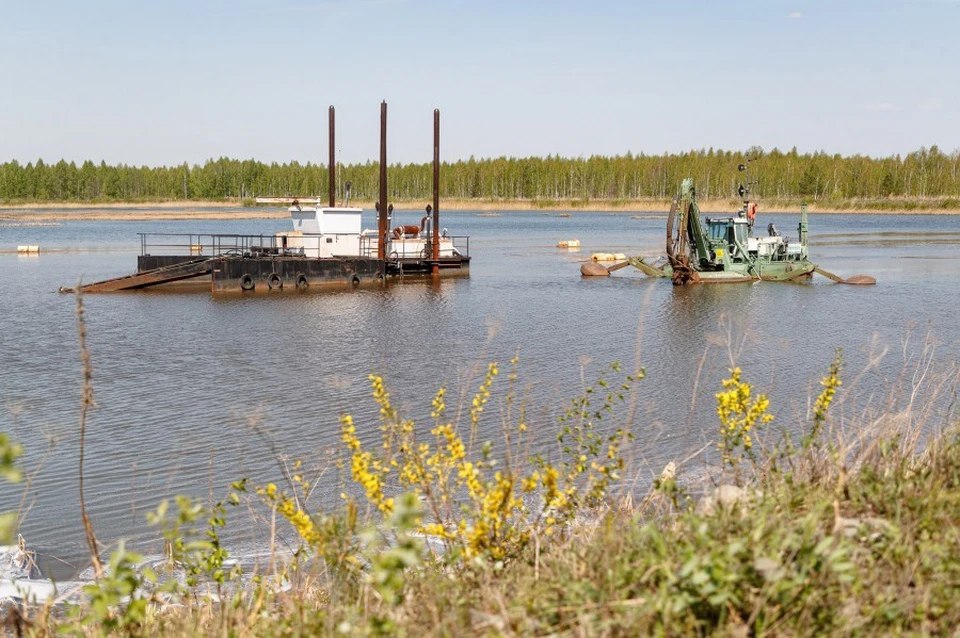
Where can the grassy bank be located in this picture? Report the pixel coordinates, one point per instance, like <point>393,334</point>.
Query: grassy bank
<point>821,526</point>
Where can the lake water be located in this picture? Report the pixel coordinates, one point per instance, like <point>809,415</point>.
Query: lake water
<point>194,391</point>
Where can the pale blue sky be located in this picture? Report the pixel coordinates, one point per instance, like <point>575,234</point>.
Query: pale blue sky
<point>170,81</point>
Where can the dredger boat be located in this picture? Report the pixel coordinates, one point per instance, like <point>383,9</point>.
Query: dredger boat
<point>725,249</point>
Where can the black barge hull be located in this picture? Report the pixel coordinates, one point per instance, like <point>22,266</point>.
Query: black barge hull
<point>289,273</point>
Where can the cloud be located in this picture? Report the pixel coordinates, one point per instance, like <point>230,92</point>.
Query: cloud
<point>795,15</point>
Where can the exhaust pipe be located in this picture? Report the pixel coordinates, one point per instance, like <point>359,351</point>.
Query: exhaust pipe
<point>382,223</point>
<point>436,189</point>
<point>332,165</point>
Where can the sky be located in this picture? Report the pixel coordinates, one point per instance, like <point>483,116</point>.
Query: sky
<point>162,83</point>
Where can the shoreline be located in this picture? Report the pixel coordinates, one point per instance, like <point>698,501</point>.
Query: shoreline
<point>173,210</point>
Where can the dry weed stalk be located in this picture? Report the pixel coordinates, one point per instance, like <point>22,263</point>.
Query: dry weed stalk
<point>86,402</point>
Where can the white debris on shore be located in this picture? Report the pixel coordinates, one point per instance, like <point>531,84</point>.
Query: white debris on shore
<point>20,578</point>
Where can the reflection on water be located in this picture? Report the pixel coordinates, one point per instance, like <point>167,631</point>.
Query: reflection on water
<point>194,391</point>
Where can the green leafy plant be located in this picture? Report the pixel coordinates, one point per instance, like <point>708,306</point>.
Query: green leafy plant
<point>117,602</point>
<point>9,453</point>
<point>389,562</point>
<point>201,554</point>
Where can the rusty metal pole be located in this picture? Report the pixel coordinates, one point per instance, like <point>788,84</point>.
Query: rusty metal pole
<point>436,190</point>
<point>332,165</point>
<point>382,217</point>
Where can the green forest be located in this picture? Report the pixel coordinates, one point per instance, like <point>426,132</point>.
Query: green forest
<point>925,174</point>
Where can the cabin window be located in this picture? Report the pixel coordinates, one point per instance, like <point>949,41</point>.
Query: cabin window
<point>717,231</point>
<point>742,234</point>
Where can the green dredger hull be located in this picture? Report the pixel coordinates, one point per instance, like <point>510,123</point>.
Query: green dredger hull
<point>758,271</point>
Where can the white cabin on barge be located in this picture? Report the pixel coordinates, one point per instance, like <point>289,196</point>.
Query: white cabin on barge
<point>326,232</point>
<point>323,231</point>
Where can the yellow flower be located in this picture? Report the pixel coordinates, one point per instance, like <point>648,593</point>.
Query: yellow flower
<point>739,415</point>
<point>439,407</point>
<point>483,394</point>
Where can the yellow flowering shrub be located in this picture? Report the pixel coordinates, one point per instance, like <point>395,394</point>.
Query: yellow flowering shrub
<point>478,505</point>
<point>332,537</point>
<point>830,383</point>
<point>824,400</point>
<point>739,416</point>
<point>365,469</point>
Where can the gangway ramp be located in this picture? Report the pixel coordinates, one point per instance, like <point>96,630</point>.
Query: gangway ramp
<point>153,277</point>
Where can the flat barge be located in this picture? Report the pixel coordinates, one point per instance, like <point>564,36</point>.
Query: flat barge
<point>327,248</point>
<point>290,261</point>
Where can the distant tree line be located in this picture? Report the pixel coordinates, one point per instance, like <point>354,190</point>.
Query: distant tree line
<point>927,172</point>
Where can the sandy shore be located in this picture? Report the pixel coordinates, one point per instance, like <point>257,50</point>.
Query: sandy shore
<point>50,215</point>
<point>145,211</point>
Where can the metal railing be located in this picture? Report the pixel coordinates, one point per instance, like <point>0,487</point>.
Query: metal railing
<point>216,245</point>
<point>368,246</point>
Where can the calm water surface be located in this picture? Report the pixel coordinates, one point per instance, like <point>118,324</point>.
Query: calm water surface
<point>194,391</point>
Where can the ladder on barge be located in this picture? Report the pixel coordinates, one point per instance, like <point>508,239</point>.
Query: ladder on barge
<point>152,277</point>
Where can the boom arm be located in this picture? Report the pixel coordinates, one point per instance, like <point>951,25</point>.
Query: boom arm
<point>685,217</point>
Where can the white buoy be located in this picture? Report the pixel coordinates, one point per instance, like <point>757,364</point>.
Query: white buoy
<point>608,256</point>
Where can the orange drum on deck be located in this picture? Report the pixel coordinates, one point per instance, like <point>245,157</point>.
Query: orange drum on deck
<point>409,230</point>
